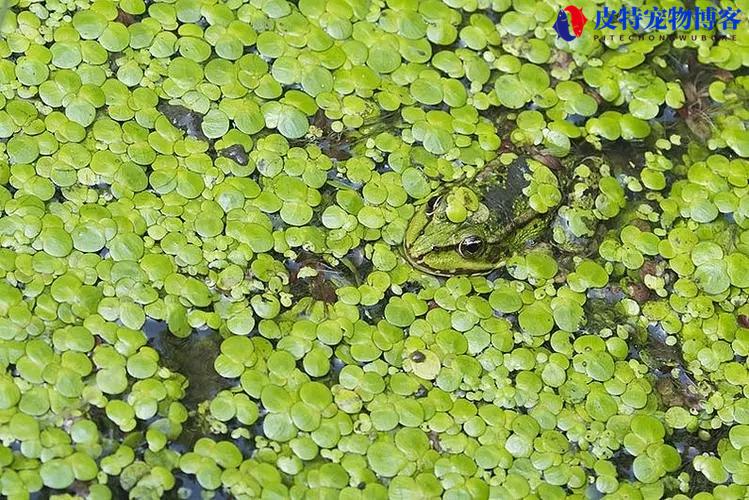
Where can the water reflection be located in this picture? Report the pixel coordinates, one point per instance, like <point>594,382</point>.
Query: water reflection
<point>192,356</point>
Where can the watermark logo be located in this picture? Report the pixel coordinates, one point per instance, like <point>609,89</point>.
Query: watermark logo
<point>653,22</point>
<point>573,17</point>
<point>672,18</point>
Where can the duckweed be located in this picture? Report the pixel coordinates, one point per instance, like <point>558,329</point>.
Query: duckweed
<point>203,205</point>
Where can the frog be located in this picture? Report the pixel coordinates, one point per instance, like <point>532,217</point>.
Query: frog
<point>475,226</point>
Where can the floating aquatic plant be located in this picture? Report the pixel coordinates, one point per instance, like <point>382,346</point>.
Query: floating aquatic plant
<point>202,287</point>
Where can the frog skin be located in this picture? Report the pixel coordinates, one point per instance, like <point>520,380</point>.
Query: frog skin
<point>500,223</point>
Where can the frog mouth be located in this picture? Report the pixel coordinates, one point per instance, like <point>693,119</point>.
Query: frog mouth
<point>417,264</point>
<point>446,273</point>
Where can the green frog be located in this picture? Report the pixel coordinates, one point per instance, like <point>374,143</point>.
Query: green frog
<point>475,226</point>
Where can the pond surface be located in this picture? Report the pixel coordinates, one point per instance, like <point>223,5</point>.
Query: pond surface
<point>210,285</point>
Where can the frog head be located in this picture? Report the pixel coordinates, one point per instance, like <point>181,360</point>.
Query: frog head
<point>472,228</point>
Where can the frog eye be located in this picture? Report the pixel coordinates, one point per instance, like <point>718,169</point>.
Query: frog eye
<point>432,204</point>
<point>471,246</point>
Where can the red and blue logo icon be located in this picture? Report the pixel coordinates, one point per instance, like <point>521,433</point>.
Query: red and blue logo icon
<point>570,17</point>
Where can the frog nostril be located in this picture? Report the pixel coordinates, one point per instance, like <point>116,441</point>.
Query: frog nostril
<point>471,246</point>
